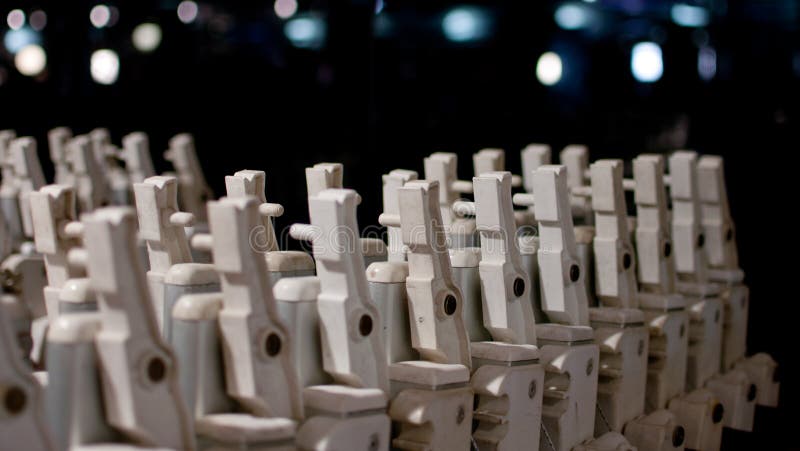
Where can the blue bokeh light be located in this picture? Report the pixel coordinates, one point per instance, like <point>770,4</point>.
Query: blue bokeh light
<point>573,16</point>
<point>307,32</point>
<point>689,15</point>
<point>466,24</point>
<point>14,40</point>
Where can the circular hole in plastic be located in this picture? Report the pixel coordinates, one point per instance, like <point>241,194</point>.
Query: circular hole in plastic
<point>752,392</point>
<point>450,304</point>
<point>627,261</point>
<point>717,413</point>
<point>365,325</point>
<point>15,400</point>
<point>574,273</point>
<point>519,287</point>
<point>272,345</point>
<point>701,240</point>
<point>678,435</point>
<point>156,369</point>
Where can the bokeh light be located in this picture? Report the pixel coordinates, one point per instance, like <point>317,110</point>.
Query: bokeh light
<point>31,60</point>
<point>465,24</point>
<point>38,20</point>
<point>100,16</point>
<point>15,40</point>
<point>573,16</point>
<point>647,64</point>
<point>707,63</point>
<point>187,11</point>
<point>306,32</point>
<point>689,15</point>
<point>146,37</point>
<point>15,19</point>
<point>285,8</point>
<point>104,66</point>
<point>549,68</point>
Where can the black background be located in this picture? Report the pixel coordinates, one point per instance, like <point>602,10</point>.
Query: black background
<point>253,101</point>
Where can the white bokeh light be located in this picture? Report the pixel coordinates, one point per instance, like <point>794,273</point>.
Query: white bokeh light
<point>104,66</point>
<point>549,68</point>
<point>30,60</point>
<point>187,11</point>
<point>100,16</point>
<point>285,8</point>
<point>647,64</point>
<point>146,37</point>
<point>15,19</point>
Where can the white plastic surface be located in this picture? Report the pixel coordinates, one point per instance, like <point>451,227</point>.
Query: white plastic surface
<point>687,231</point>
<point>90,183</point>
<point>352,346</point>
<point>615,262</point>
<point>28,176</point>
<point>53,214</point>
<point>533,156</point>
<point>391,206</point>
<point>718,228</point>
<point>492,160</point>
<point>563,291</point>
<point>193,189</point>
<point>253,183</point>
<point>161,225</point>
<point>443,168</point>
<point>256,345</point>
<point>136,154</point>
<point>57,140</point>
<point>140,385</point>
<point>324,176</point>
<point>576,159</point>
<point>435,302</point>
<point>506,289</point>
<point>22,421</point>
<point>654,248</point>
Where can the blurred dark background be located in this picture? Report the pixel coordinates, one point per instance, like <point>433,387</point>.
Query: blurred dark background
<point>279,85</point>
